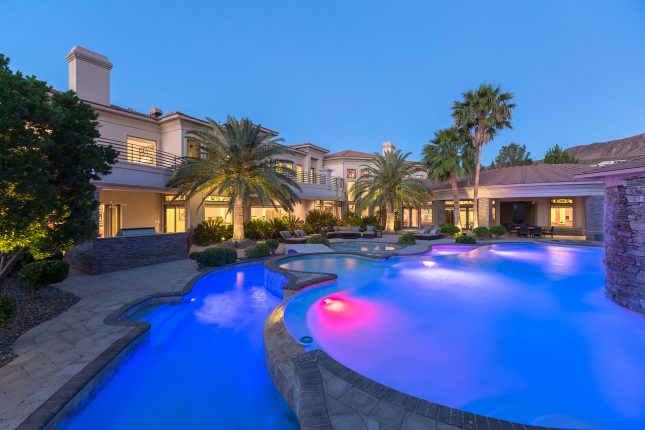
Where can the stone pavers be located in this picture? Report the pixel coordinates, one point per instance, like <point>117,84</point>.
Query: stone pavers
<point>51,354</point>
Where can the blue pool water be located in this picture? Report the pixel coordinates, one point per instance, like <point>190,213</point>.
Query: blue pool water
<point>365,246</point>
<point>201,368</point>
<point>521,332</point>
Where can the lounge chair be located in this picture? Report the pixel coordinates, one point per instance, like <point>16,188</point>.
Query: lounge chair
<point>548,231</point>
<point>288,237</point>
<point>428,233</point>
<point>345,233</point>
<point>523,231</point>
<point>370,232</point>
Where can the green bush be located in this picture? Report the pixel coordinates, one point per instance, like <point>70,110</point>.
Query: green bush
<point>465,240</point>
<point>214,257</point>
<point>273,245</point>
<point>318,239</point>
<point>318,219</point>
<point>449,230</point>
<point>369,220</point>
<point>276,225</point>
<point>212,231</point>
<point>308,229</point>
<point>259,250</point>
<point>7,309</point>
<point>258,229</point>
<point>481,232</point>
<point>292,222</point>
<point>407,239</point>
<point>498,230</point>
<point>39,274</point>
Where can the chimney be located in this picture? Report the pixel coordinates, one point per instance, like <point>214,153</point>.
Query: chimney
<point>89,75</point>
<point>388,146</point>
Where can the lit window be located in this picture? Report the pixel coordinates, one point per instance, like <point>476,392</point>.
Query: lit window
<point>193,150</point>
<point>350,190</point>
<point>364,172</point>
<point>351,173</point>
<point>562,216</point>
<point>141,151</point>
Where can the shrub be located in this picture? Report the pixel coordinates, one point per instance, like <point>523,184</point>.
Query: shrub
<point>273,245</point>
<point>407,239</point>
<point>481,232</point>
<point>39,274</point>
<point>318,219</point>
<point>465,240</point>
<point>275,226</point>
<point>292,222</point>
<point>308,229</point>
<point>369,220</point>
<point>214,257</point>
<point>318,239</point>
<point>449,230</point>
<point>258,229</point>
<point>259,250</point>
<point>212,231</point>
<point>498,230</point>
<point>7,309</point>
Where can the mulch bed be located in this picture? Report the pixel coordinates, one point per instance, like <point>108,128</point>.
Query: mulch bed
<point>31,310</point>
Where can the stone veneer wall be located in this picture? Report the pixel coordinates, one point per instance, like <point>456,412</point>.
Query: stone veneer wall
<point>483,212</point>
<point>625,243</point>
<point>120,253</point>
<point>594,217</point>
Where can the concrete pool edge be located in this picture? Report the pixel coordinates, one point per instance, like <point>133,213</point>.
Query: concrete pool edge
<point>51,412</point>
<point>324,393</point>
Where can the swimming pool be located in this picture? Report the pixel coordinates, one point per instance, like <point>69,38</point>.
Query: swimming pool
<point>521,332</point>
<point>365,246</point>
<point>201,367</point>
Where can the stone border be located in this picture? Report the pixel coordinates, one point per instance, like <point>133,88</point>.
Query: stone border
<point>297,374</point>
<point>80,386</point>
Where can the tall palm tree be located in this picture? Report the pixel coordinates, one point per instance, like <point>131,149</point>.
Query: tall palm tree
<point>448,156</point>
<point>237,162</point>
<point>482,113</point>
<point>387,182</point>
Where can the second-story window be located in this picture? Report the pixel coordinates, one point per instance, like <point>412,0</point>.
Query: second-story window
<point>299,173</point>
<point>364,172</point>
<point>192,149</point>
<point>141,151</point>
<point>351,173</point>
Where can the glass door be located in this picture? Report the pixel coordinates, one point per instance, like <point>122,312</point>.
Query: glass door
<point>175,219</point>
<point>109,220</point>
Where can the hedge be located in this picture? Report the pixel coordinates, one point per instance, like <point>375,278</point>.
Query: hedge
<point>7,309</point>
<point>407,239</point>
<point>465,240</point>
<point>214,257</point>
<point>39,274</point>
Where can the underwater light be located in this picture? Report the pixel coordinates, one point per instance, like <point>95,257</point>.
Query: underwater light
<point>334,305</point>
<point>429,263</point>
<point>193,299</point>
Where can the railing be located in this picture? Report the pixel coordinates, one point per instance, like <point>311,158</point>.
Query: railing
<point>317,178</point>
<point>141,154</point>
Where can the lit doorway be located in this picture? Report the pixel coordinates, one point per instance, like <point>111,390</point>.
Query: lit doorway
<point>175,219</point>
<point>109,220</point>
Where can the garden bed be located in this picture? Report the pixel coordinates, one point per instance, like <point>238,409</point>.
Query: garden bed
<point>31,310</point>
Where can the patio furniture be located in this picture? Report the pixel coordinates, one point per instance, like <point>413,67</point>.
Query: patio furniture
<point>537,232</point>
<point>370,232</point>
<point>548,231</point>
<point>523,231</point>
<point>288,237</point>
<point>345,233</point>
<point>428,233</point>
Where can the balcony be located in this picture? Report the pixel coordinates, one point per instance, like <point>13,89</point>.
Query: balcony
<point>321,186</point>
<point>141,154</point>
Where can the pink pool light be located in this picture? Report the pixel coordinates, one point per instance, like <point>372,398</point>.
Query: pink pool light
<point>334,305</point>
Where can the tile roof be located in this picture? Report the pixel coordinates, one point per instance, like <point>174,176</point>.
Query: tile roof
<point>348,153</point>
<point>533,174</point>
<point>616,167</point>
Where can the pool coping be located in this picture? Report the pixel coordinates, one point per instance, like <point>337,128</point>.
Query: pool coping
<point>307,393</point>
<point>50,413</point>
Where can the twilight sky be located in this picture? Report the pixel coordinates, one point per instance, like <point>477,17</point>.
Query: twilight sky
<point>350,74</point>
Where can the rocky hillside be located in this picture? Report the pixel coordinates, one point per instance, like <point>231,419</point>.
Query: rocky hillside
<point>620,149</point>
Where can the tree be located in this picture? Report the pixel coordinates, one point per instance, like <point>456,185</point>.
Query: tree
<point>237,162</point>
<point>48,159</point>
<point>513,155</point>
<point>483,113</point>
<point>448,156</point>
<point>557,155</point>
<point>387,182</point>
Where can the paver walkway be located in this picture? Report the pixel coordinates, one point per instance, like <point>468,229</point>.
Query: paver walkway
<point>51,353</point>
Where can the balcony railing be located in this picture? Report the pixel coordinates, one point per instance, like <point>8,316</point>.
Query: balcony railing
<point>318,179</point>
<point>141,154</point>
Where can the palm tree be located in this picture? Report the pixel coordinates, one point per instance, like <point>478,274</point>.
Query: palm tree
<point>388,181</point>
<point>448,156</point>
<point>237,162</point>
<point>483,113</point>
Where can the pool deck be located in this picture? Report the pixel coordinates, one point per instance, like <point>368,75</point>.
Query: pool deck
<point>50,354</point>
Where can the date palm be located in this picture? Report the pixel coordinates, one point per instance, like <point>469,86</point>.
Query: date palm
<point>482,113</point>
<point>237,162</point>
<point>387,181</point>
<point>448,156</point>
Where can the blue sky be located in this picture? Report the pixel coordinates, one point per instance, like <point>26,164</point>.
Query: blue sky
<point>352,74</point>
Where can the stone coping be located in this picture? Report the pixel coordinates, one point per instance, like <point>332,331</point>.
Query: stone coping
<point>325,394</point>
<point>80,386</point>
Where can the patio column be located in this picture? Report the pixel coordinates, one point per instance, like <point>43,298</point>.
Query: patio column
<point>484,212</point>
<point>625,243</point>
<point>438,212</point>
<point>594,217</point>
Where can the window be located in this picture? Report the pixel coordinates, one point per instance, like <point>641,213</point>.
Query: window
<point>175,219</point>
<point>562,216</point>
<point>350,190</point>
<point>364,172</point>
<point>192,149</point>
<point>351,173</point>
<point>312,175</point>
<point>212,212</point>
<point>426,216</point>
<point>109,220</point>
<point>141,151</point>
<point>299,173</point>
